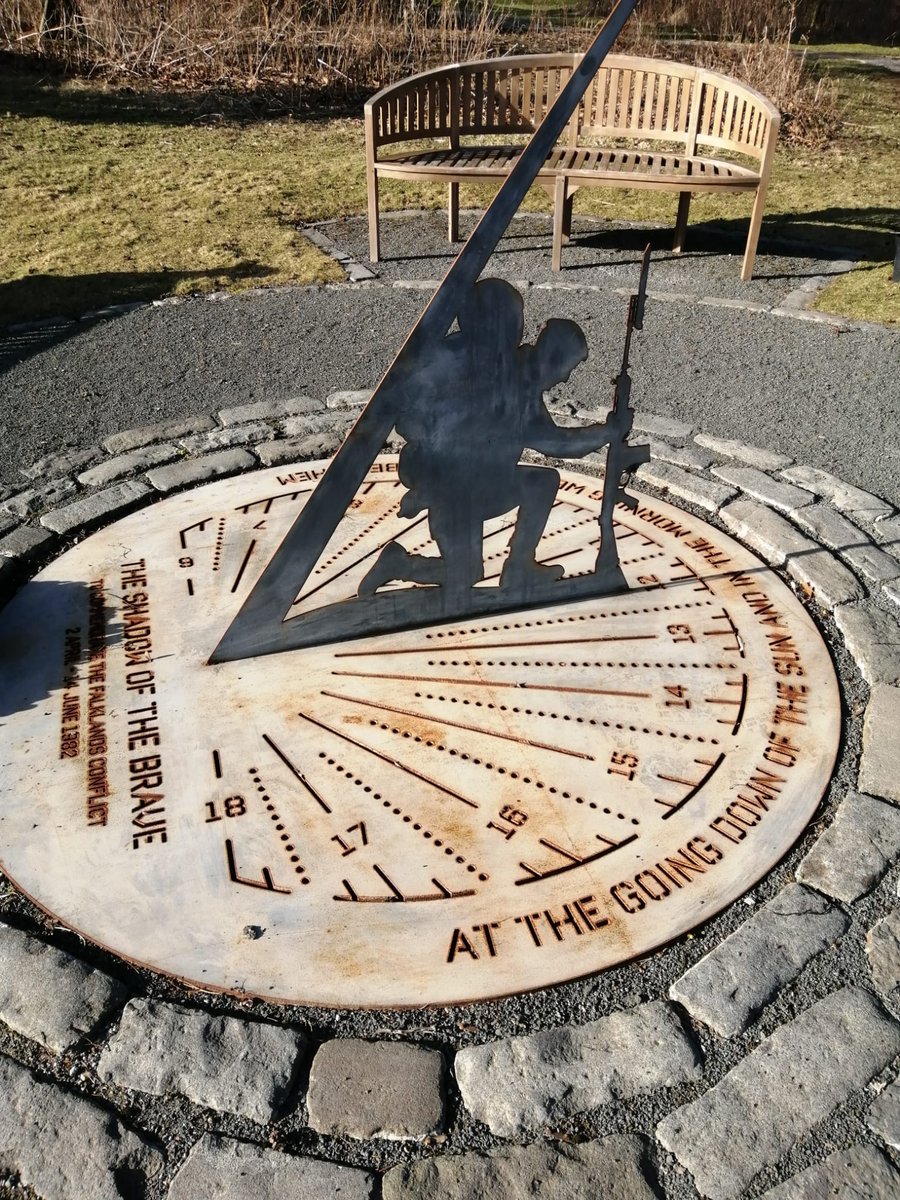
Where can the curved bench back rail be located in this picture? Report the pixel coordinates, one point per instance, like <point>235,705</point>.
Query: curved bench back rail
<point>630,99</point>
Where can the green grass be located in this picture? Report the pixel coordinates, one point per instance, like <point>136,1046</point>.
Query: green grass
<point>108,197</point>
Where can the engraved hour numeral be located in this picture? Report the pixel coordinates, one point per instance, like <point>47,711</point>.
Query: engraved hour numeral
<point>678,694</point>
<point>623,763</point>
<point>681,633</point>
<point>234,806</point>
<point>512,819</point>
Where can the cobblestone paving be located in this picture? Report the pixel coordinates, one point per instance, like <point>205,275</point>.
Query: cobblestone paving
<point>758,1057</point>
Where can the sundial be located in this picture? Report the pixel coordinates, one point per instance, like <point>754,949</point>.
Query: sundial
<point>433,728</point>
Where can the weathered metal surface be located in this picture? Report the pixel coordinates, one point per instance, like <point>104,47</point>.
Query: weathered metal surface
<point>468,402</point>
<point>451,813</point>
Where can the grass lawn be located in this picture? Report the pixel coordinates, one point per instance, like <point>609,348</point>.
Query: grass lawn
<point>108,197</point>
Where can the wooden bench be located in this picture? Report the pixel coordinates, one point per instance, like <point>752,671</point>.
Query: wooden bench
<point>642,123</point>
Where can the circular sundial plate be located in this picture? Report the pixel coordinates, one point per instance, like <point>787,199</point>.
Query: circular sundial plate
<point>439,815</point>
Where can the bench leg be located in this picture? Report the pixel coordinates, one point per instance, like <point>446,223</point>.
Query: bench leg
<point>452,212</point>
<point>684,204</point>
<point>567,218</point>
<point>374,232</point>
<point>753,236</point>
<point>560,201</point>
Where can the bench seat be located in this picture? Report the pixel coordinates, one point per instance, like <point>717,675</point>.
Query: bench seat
<point>669,111</point>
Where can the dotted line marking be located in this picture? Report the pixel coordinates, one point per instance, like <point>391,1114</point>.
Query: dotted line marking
<point>285,838</point>
<point>555,716</point>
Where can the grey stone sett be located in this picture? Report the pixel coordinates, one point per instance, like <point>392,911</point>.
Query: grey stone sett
<point>376,1089</point>
<point>24,541</point>
<point>879,770</point>
<point>697,489</point>
<point>783,496</point>
<point>856,849</point>
<point>62,464</point>
<point>884,1115</point>
<point>780,1091</point>
<point>611,1168</point>
<point>37,500</point>
<point>225,1063</point>
<point>853,501</point>
<point>873,638</point>
<point>7,522</point>
<point>524,1083</point>
<point>887,533</point>
<point>335,421</point>
<point>858,1173</point>
<point>268,410</point>
<point>128,464</point>
<point>49,996</point>
<point>146,435</point>
<point>95,507</point>
<point>314,445</point>
<point>681,456</point>
<point>198,470</point>
<point>851,543</point>
<point>223,439</point>
<point>731,984</point>
<point>661,427</point>
<point>61,1144</point>
<point>220,1168</point>
<point>753,456</point>
<point>357,399</point>
<point>883,949</point>
<point>766,532</point>
<point>826,576</point>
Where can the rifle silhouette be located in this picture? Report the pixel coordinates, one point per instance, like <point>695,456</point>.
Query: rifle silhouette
<point>621,458</point>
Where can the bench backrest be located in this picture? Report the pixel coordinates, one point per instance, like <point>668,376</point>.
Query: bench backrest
<point>629,97</point>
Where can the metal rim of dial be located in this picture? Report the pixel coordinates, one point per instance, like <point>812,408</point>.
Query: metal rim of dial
<point>442,815</point>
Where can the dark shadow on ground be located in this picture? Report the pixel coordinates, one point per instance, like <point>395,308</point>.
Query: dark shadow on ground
<point>57,300</point>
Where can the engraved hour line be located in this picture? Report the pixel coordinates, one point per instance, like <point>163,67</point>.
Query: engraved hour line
<point>296,772</point>
<point>357,561</point>
<point>509,737</point>
<point>217,764</point>
<point>534,876</point>
<point>268,501</point>
<point>741,703</point>
<point>190,587</point>
<point>691,574</point>
<point>391,761</point>
<point>265,883</point>
<point>496,683</point>
<point>398,897</point>
<point>731,631</point>
<point>695,788</point>
<point>243,566</point>
<point>562,641</point>
<point>200,525</point>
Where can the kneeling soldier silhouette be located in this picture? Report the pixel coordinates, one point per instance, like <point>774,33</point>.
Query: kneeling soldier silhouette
<point>466,417</point>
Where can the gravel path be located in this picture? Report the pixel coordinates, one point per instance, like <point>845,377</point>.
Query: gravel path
<point>723,356</point>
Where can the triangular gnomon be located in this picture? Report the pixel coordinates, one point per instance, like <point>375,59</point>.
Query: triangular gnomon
<point>490,366</point>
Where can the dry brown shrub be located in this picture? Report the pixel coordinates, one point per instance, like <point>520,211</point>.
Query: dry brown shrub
<point>302,47</point>
<point>310,49</point>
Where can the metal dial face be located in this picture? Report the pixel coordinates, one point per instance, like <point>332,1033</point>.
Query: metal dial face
<point>440,815</point>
